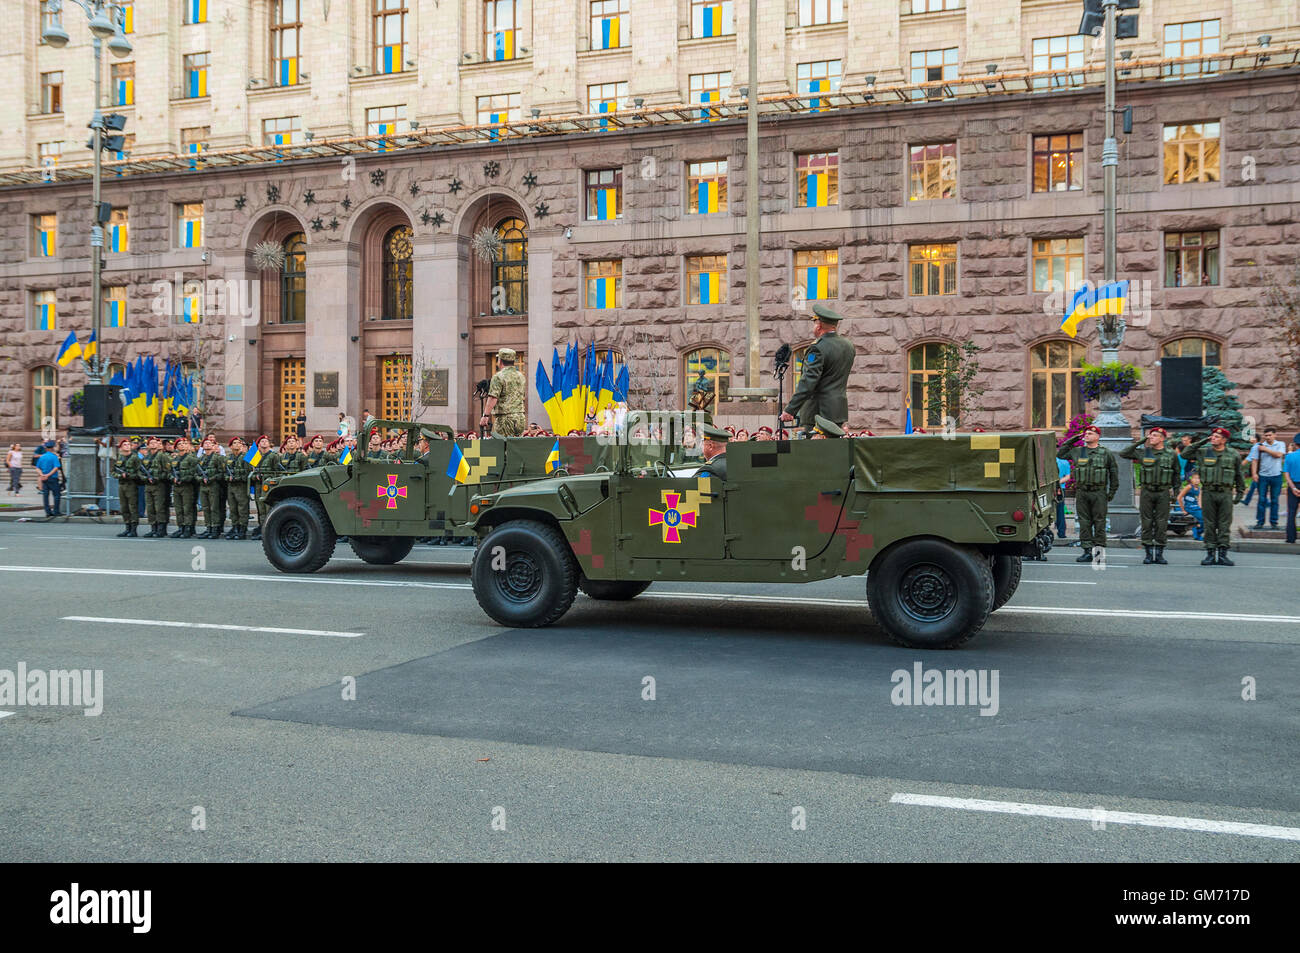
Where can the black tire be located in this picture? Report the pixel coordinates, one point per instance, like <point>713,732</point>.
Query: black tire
<point>930,594</point>
<point>539,579</point>
<point>298,536</point>
<point>614,590</point>
<point>382,550</point>
<point>1006,577</point>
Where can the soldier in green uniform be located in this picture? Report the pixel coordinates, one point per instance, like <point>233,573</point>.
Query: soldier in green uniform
<point>714,447</point>
<point>505,401</point>
<point>1222,485</point>
<point>1096,478</point>
<point>212,477</point>
<point>375,447</point>
<point>291,459</point>
<point>185,486</point>
<point>262,469</point>
<point>1159,473</point>
<point>155,469</point>
<point>238,471</point>
<point>126,468</point>
<point>823,385</point>
<point>318,456</point>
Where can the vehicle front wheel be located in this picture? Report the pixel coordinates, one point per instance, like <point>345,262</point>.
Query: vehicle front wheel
<point>298,536</point>
<point>930,594</point>
<point>524,574</point>
<point>1006,577</point>
<point>382,550</point>
<point>612,589</point>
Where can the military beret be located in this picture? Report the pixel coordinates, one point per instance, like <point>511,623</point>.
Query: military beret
<point>235,440</point>
<point>764,429</point>
<point>1094,428</point>
<point>826,315</point>
<point>263,437</point>
<point>1221,430</point>
<point>710,432</point>
<point>1161,430</point>
<point>124,440</point>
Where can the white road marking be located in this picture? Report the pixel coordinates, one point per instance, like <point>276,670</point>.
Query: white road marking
<point>237,577</point>
<point>213,625</point>
<point>1199,824</point>
<point>6,714</point>
<point>1150,614</point>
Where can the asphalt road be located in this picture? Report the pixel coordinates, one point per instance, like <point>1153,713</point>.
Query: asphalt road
<point>1118,731</point>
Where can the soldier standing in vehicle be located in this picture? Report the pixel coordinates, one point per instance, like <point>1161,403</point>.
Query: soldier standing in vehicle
<point>1222,486</point>
<point>1158,473</point>
<point>237,472</point>
<point>823,385</point>
<point>212,477</point>
<point>262,469</point>
<point>714,448</point>
<point>185,479</point>
<point>505,399</point>
<point>1096,479</point>
<point>126,467</point>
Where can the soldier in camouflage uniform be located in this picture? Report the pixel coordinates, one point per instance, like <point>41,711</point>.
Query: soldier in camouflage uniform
<point>185,485</point>
<point>505,400</point>
<point>1159,473</point>
<point>262,469</point>
<point>318,456</point>
<point>238,471</point>
<point>126,468</point>
<point>212,478</point>
<point>291,459</point>
<point>156,468</point>
<point>1096,479</point>
<point>1222,485</point>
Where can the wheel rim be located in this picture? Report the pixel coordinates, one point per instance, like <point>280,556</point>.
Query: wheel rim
<point>293,537</point>
<point>522,578</point>
<point>927,593</point>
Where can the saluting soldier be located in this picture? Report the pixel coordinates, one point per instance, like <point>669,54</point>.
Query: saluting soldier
<point>262,470</point>
<point>1222,485</point>
<point>185,485</point>
<point>823,385</point>
<point>126,468</point>
<point>505,401</point>
<point>238,471</point>
<point>1096,479</point>
<point>1159,473</point>
<point>155,469</point>
<point>212,477</point>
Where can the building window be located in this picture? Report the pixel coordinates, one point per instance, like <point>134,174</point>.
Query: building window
<point>711,18</point>
<point>196,75</point>
<point>115,306</point>
<point>510,268</point>
<point>395,382</point>
<point>284,131</point>
<point>1058,263</point>
<point>48,154</point>
<point>293,280</point>
<point>384,120</point>
<point>126,18</point>
<point>609,23</point>
<point>817,179</point>
<point>1058,162</point>
<point>500,30</point>
<point>118,239</point>
<point>45,312</point>
<point>603,282</point>
<point>194,141</point>
<point>1191,259</point>
<point>924,364</point>
<point>45,398</point>
<point>930,66</point>
<point>604,195</point>
<point>51,15</point>
<point>1209,351</point>
<point>1191,153</point>
<point>191,303</point>
<point>816,273</point>
<point>933,171</point>
<point>398,274</point>
<point>52,92</point>
<point>604,98</point>
<point>710,88</point>
<point>286,34</point>
<point>814,12</point>
<point>820,77</point>
<point>933,269</point>
<point>503,107</point>
<point>706,279</point>
<point>1054,384</point>
<point>388,23</point>
<point>45,236</point>
<point>931,6</point>
<point>189,225</point>
<point>196,11</point>
<point>707,370</point>
<point>122,84</point>
<point>1196,38</point>
<point>706,187</point>
<point>1057,54</point>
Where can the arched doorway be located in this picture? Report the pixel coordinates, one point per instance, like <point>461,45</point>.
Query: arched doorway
<point>498,290</point>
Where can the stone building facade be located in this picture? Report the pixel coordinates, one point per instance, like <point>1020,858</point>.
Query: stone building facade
<point>935,228</point>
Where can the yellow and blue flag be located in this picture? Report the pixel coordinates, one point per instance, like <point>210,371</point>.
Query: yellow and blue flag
<point>553,458</point>
<point>1089,302</point>
<point>70,350</point>
<point>609,33</point>
<point>346,455</point>
<point>818,190</point>
<point>503,45</point>
<point>709,293</point>
<point>254,455</point>
<point>706,197</point>
<point>817,286</point>
<point>457,468</point>
<point>907,424</point>
<point>91,347</point>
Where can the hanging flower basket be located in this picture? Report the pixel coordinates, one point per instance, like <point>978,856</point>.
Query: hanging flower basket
<point>1117,376</point>
<point>77,403</point>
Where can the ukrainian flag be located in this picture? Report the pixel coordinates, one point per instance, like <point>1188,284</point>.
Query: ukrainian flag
<point>1089,302</point>
<point>606,107</point>
<point>47,242</point>
<point>289,71</point>
<point>117,237</point>
<point>609,33</point>
<point>194,148</point>
<point>392,59</point>
<point>346,455</point>
<point>193,233</point>
<point>128,18</point>
<point>706,197</point>
<point>907,424</point>
<point>503,45</point>
<point>198,82</point>
<point>605,292</point>
<point>253,456</point>
<point>549,395</point>
<point>457,468</point>
<point>712,20</point>
<point>606,204</point>
<point>91,347</point>
<point>816,86</point>
<point>818,190</point>
<point>553,458</point>
<point>125,92</point>
<point>45,317</point>
<point>115,316</point>
<point>192,313</point>
<point>709,96</point>
<point>198,11</point>
<point>816,288</point>
<point>494,118</point>
<point>709,287</point>
<point>605,389</point>
<point>69,351</point>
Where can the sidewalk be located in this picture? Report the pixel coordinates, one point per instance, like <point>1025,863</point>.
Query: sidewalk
<point>1244,539</point>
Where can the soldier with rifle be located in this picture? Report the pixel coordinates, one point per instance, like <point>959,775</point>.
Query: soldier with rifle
<point>212,478</point>
<point>262,469</point>
<point>126,468</point>
<point>185,485</point>
<point>1222,486</point>
<point>155,469</point>
<point>238,471</point>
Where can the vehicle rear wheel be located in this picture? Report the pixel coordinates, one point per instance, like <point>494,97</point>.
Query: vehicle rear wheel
<point>1006,577</point>
<point>382,550</point>
<point>524,574</point>
<point>612,589</point>
<point>298,536</point>
<point>930,594</point>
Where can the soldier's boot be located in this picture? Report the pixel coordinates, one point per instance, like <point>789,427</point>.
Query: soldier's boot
<point>161,530</point>
<point>1223,557</point>
<point>256,533</point>
<point>216,531</point>
<point>180,532</point>
<point>234,532</point>
<point>1150,557</point>
<point>126,530</point>
<point>1209,559</point>
<point>189,532</point>
<point>1160,556</point>
<point>243,533</point>
<point>1085,556</point>
<point>132,533</point>
<point>153,531</point>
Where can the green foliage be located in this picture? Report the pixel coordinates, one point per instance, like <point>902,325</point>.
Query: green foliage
<point>1219,402</point>
<point>1284,310</point>
<point>953,388</point>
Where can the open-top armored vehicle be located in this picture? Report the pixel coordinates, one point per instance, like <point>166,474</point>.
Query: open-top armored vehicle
<point>938,524</point>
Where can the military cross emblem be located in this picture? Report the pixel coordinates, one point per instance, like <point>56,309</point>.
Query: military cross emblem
<point>674,517</point>
<point>392,491</point>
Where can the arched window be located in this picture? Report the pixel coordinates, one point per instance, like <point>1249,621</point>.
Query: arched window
<point>707,371</point>
<point>397,274</point>
<point>510,268</point>
<point>45,398</point>
<point>799,355</point>
<point>1209,351</point>
<point>923,366</point>
<point>293,280</point>
<point>1054,384</point>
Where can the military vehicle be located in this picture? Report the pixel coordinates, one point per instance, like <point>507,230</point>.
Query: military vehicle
<point>383,506</point>
<point>938,524</point>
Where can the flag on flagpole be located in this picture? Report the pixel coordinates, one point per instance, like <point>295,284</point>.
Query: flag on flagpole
<point>91,347</point>
<point>457,468</point>
<point>69,351</point>
<point>553,458</point>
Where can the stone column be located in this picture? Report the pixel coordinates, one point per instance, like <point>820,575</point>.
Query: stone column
<point>1116,434</point>
<point>332,274</point>
<point>440,268</point>
<point>541,321</point>
<point>243,322</point>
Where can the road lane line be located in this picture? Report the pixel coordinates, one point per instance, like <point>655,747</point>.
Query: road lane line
<point>237,577</point>
<point>213,625</point>
<point>1198,824</point>
<point>6,714</point>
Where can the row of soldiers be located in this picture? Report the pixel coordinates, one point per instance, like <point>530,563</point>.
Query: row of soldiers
<point>181,479</point>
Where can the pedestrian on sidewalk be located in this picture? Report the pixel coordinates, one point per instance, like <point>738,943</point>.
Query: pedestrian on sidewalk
<point>1291,471</point>
<point>1062,474</point>
<point>1253,459</point>
<point>1189,501</point>
<point>14,461</point>
<point>1267,462</point>
<point>51,480</point>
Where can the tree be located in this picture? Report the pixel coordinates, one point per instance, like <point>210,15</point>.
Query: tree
<point>1218,402</point>
<point>953,387</point>
<point>1283,305</point>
